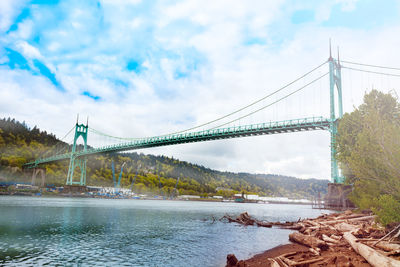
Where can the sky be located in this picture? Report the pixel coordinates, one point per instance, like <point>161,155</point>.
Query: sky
<point>145,68</point>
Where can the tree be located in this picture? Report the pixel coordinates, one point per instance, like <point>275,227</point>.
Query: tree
<point>368,150</point>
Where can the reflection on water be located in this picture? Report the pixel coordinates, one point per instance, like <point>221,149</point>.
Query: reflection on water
<point>108,232</point>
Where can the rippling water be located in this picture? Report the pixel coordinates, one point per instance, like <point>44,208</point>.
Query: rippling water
<point>109,232</point>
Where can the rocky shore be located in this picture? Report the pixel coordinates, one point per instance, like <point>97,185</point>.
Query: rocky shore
<point>339,239</point>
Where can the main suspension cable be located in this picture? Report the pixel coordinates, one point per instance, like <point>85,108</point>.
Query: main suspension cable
<point>369,65</point>
<point>370,71</point>
<point>56,149</point>
<point>276,101</point>
<point>227,115</point>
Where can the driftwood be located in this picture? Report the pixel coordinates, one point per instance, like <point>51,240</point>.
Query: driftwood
<point>291,262</point>
<point>281,262</point>
<point>309,241</point>
<point>388,234</point>
<point>264,224</point>
<point>315,251</point>
<point>350,216</point>
<point>372,256</point>
<point>363,218</point>
<point>336,237</point>
<point>387,246</point>
<point>337,233</point>
<point>345,227</point>
<point>274,263</point>
<point>328,239</point>
<point>245,219</point>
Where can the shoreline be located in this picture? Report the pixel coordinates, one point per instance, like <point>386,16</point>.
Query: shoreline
<point>337,239</point>
<point>258,260</point>
<point>80,195</point>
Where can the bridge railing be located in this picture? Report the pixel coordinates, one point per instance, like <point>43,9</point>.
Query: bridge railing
<point>210,134</point>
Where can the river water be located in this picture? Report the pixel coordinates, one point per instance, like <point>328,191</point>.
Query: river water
<point>110,232</point>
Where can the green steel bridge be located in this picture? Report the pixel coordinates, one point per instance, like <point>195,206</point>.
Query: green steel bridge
<point>306,124</point>
<point>78,158</point>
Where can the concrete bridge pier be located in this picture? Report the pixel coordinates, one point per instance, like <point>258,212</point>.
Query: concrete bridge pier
<point>337,197</point>
<point>42,173</point>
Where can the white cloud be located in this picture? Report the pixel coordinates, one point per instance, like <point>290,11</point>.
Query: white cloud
<point>9,9</point>
<point>121,2</point>
<point>28,50</point>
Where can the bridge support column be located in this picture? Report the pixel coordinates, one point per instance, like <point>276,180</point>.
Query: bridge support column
<point>77,162</point>
<point>81,130</point>
<point>42,174</point>
<point>335,80</point>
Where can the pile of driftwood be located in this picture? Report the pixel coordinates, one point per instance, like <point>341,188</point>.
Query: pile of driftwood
<point>339,239</point>
<point>246,219</point>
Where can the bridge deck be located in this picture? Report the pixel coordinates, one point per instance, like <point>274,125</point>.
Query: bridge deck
<point>296,125</point>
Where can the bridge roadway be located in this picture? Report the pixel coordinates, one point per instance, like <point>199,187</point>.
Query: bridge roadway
<point>296,125</point>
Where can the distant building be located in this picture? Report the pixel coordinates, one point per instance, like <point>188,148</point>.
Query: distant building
<point>284,200</point>
<point>26,186</point>
<point>249,197</point>
<point>94,188</point>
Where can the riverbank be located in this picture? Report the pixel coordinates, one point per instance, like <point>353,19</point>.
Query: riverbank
<point>77,194</point>
<point>339,239</point>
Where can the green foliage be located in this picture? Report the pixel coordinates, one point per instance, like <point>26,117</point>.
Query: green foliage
<point>226,193</point>
<point>387,208</point>
<point>21,144</point>
<point>368,151</point>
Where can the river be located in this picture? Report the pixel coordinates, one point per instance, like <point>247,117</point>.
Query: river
<point>113,232</point>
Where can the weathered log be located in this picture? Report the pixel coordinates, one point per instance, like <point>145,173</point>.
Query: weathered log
<point>328,239</point>
<point>314,251</point>
<point>336,237</point>
<point>309,241</point>
<point>274,263</point>
<point>393,253</point>
<point>281,262</point>
<point>288,261</point>
<point>312,223</point>
<point>345,227</point>
<point>397,227</point>
<point>264,224</point>
<point>387,246</point>
<point>346,217</point>
<point>372,256</point>
<point>364,218</point>
<point>395,236</point>
<point>243,218</point>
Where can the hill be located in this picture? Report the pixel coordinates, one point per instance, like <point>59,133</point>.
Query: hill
<point>20,144</point>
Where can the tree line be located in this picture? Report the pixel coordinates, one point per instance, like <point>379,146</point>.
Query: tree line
<point>151,174</point>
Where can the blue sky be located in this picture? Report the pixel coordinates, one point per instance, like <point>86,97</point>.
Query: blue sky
<point>140,68</point>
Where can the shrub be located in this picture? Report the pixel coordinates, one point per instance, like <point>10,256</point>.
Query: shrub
<point>387,208</point>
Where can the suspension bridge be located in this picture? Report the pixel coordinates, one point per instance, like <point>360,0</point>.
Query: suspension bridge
<point>78,154</point>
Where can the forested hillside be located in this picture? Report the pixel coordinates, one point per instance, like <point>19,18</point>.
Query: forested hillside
<point>20,144</point>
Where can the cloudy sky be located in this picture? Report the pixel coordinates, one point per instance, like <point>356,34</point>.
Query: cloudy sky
<point>143,68</point>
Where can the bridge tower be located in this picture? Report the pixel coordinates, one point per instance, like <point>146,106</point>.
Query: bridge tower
<point>335,80</point>
<point>81,130</point>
